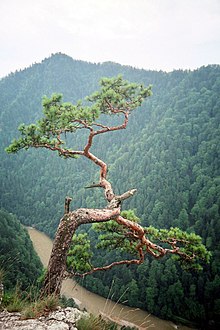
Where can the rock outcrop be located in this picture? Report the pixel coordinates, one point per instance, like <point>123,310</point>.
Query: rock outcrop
<point>61,319</point>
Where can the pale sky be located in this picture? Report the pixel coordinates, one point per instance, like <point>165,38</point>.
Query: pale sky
<point>149,34</point>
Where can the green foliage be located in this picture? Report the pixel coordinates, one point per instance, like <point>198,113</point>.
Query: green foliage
<point>120,94</point>
<point>68,302</point>
<point>79,255</point>
<point>188,243</point>
<point>59,118</point>
<point>13,301</point>
<point>114,236</point>
<point>18,259</point>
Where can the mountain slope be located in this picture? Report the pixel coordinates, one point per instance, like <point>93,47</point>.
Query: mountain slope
<point>170,153</point>
<point>18,260</point>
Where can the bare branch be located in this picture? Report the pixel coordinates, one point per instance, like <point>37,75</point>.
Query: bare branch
<point>82,122</point>
<point>118,199</point>
<point>115,128</point>
<point>126,195</point>
<point>67,204</point>
<point>94,185</point>
<point>61,151</point>
<point>104,268</point>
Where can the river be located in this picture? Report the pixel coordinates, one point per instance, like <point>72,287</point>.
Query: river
<point>94,303</point>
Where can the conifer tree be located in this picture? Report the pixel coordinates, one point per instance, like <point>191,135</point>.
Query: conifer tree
<point>117,98</point>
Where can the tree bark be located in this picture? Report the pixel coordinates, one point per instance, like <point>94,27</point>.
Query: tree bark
<point>67,227</point>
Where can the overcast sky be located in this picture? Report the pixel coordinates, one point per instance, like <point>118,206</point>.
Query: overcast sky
<point>149,34</point>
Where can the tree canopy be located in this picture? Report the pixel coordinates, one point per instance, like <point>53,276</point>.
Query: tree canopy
<point>116,97</point>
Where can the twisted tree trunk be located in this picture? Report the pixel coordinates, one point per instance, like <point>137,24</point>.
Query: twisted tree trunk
<point>67,227</point>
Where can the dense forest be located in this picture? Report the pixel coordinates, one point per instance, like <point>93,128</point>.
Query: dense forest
<point>19,264</point>
<point>170,153</point>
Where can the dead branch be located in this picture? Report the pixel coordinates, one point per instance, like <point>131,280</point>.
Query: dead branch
<point>67,204</point>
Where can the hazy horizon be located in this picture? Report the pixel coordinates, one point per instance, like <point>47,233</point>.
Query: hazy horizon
<point>157,35</point>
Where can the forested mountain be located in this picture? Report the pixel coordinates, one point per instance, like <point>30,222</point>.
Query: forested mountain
<point>18,260</point>
<point>170,153</point>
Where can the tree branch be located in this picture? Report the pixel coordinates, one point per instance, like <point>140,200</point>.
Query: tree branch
<point>104,268</point>
<point>113,128</point>
<point>67,204</point>
<point>116,201</point>
<point>61,151</point>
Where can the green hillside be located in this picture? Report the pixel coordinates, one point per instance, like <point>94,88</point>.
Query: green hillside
<point>18,260</point>
<point>170,153</point>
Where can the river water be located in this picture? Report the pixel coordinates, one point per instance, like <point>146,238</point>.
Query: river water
<point>94,303</point>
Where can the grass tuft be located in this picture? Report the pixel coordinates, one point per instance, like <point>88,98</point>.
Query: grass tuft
<point>40,307</point>
<point>92,322</point>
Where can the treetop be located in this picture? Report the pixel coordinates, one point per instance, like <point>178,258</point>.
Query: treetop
<point>115,97</point>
